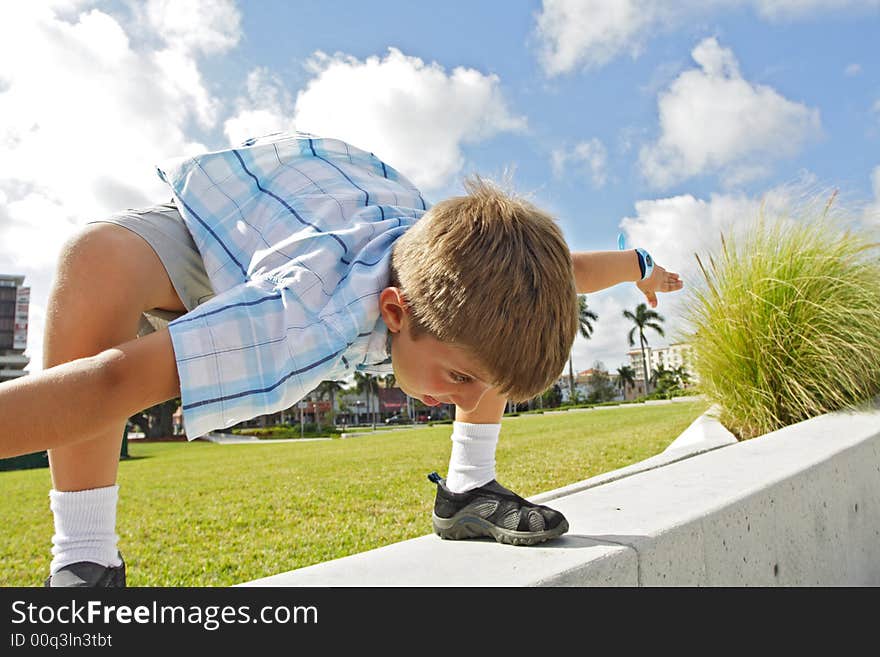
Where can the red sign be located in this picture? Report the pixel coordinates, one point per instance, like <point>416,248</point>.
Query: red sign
<point>19,335</point>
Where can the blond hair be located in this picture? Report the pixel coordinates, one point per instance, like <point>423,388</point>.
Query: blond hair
<point>492,273</point>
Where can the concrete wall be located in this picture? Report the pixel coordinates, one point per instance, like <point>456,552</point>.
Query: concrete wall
<point>797,507</point>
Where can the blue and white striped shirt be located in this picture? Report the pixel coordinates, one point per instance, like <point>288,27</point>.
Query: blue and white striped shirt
<point>296,234</point>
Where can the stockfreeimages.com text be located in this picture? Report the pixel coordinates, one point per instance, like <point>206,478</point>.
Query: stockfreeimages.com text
<point>211,617</point>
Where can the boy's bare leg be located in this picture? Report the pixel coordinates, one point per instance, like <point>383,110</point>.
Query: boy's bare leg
<point>474,440</point>
<point>97,373</point>
<point>106,278</point>
<point>489,410</point>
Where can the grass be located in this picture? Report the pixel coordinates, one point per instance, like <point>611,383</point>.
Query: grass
<point>785,324</point>
<point>202,514</point>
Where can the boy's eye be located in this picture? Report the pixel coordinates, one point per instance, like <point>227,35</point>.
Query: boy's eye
<point>459,378</point>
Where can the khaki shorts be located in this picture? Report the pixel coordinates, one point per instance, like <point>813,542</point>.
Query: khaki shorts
<point>163,229</point>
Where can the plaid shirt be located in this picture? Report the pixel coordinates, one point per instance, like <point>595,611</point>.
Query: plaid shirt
<point>296,234</point>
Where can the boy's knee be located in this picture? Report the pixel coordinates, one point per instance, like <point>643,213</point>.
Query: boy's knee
<point>116,264</point>
<point>89,246</point>
<point>88,273</point>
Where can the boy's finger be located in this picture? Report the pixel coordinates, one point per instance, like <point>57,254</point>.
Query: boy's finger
<point>652,299</point>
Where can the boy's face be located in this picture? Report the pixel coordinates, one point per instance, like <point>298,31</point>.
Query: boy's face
<point>425,368</point>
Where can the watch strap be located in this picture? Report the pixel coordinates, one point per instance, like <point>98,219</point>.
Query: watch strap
<point>646,263</point>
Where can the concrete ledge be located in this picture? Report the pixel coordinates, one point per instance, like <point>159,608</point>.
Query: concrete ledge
<point>243,439</point>
<point>799,506</point>
<point>704,434</point>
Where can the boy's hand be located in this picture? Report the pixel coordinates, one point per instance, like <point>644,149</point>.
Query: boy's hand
<point>659,281</point>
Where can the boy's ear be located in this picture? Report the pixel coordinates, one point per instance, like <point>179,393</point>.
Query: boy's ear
<point>393,308</point>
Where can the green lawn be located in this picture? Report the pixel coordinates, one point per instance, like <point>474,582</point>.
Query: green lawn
<point>201,514</point>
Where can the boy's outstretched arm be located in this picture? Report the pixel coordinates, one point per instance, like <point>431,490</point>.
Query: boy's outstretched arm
<point>597,270</point>
<point>74,401</point>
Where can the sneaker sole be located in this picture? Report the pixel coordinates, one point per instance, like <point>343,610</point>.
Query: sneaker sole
<point>467,525</point>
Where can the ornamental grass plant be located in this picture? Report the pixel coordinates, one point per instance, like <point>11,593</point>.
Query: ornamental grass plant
<point>785,324</point>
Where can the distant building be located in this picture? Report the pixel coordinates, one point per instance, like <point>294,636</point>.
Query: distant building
<point>564,383</point>
<point>674,356</point>
<point>392,401</point>
<point>351,408</point>
<point>356,407</point>
<point>633,391</point>
<point>670,357</point>
<point>583,384</point>
<point>14,303</point>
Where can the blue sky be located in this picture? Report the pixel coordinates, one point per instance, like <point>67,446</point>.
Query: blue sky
<point>666,121</point>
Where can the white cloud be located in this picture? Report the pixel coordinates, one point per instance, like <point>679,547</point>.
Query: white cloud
<point>712,120</point>
<point>777,10</point>
<point>588,158</point>
<point>414,115</point>
<point>267,108</point>
<point>590,33</point>
<point>206,26</point>
<point>88,110</point>
<point>872,212</point>
<point>608,342</point>
<point>674,229</point>
<point>852,70</point>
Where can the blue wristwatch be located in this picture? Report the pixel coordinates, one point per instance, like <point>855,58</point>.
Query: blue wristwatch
<point>646,263</point>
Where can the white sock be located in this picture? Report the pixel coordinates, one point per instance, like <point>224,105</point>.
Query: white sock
<point>85,527</point>
<point>472,462</point>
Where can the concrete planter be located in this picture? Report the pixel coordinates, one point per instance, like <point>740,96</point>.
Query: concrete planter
<point>796,507</point>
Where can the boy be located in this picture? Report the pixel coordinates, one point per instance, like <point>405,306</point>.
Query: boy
<point>285,262</point>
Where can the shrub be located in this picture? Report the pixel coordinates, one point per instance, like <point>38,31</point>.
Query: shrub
<point>785,323</point>
<point>308,430</point>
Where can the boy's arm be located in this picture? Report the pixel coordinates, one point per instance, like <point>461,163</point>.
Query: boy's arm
<point>74,401</point>
<point>597,270</point>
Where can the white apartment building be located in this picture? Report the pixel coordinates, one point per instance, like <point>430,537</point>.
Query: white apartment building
<point>670,357</point>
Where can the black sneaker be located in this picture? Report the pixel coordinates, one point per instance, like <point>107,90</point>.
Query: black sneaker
<point>89,574</point>
<point>492,510</point>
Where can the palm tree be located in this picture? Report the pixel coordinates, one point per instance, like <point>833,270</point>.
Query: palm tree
<point>366,382</point>
<point>390,381</point>
<point>643,319</point>
<point>626,376</point>
<point>683,376</point>
<point>329,389</point>
<point>661,373</point>
<point>585,316</point>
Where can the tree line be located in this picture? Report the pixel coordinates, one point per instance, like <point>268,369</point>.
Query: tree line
<point>157,421</point>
